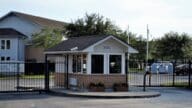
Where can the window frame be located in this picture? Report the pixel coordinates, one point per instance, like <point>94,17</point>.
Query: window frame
<point>109,63</point>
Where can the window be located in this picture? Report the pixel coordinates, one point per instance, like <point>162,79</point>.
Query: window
<point>76,63</point>
<point>2,44</point>
<point>84,63</point>
<point>5,44</point>
<point>8,44</point>
<point>115,63</point>
<point>8,58</point>
<point>97,64</point>
<point>2,58</point>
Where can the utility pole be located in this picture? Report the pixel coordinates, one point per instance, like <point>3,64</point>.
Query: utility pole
<point>128,34</point>
<point>128,40</point>
<point>147,47</point>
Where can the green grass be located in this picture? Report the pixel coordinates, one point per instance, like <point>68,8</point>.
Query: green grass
<point>136,70</point>
<point>24,76</point>
<point>178,84</point>
<point>33,76</point>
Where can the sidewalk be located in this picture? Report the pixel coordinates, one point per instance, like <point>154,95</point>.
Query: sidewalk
<point>69,93</point>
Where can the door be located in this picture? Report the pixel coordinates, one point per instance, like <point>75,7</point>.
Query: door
<point>97,64</point>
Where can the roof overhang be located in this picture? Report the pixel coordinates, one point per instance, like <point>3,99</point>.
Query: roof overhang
<point>63,52</point>
<point>130,49</point>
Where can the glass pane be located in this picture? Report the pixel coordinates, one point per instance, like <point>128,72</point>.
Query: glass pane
<point>2,44</point>
<point>84,63</point>
<point>115,64</point>
<point>74,63</point>
<point>97,64</point>
<point>2,58</point>
<point>8,58</point>
<point>8,44</point>
<point>78,63</point>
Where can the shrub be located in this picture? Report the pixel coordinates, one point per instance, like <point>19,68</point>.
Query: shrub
<point>120,87</point>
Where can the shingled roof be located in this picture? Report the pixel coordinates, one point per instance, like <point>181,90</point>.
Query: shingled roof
<point>9,32</point>
<point>44,22</point>
<point>81,43</point>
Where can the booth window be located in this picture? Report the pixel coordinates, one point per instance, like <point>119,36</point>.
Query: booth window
<point>115,63</point>
<point>76,63</point>
<point>84,63</point>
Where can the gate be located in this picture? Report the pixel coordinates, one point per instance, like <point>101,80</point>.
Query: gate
<point>166,74</point>
<point>21,77</point>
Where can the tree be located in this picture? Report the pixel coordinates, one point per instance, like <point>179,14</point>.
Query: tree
<point>92,24</point>
<point>47,37</point>
<point>174,46</point>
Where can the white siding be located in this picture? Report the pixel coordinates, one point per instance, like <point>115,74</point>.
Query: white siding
<point>110,46</point>
<point>15,53</point>
<point>21,25</point>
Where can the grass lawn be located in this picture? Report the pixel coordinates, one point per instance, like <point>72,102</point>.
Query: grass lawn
<point>135,70</point>
<point>25,76</point>
<point>178,84</point>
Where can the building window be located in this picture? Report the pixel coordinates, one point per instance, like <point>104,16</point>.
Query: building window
<point>97,64</point>
<point>8,44</point>
<point>2,44</point>
<point>2,58</point>
<point>5,44</point>
<point>76,63</point>
<point>84,63</point>
<point>115,63</point>
<point>8,59</point>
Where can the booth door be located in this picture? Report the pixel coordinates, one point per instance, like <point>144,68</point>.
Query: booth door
<point>97,64</point>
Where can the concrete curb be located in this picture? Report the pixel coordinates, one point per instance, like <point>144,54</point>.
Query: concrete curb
<point>84,95</point>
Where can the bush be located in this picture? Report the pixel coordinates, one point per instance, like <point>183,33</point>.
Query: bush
<point>97,87</point>
<point>120,87</point>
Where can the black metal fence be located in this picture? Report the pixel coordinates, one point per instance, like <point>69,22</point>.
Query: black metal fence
<point>160,74</point>
<point>21,77</point>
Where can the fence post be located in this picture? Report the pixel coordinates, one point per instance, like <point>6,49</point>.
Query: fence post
<point>67,78</point>
<point>127,69</point>
<point>174,64</point>
<point>18,76</point>
<point>144,80</point>
<point>189,74</point>
<point>46,74</point>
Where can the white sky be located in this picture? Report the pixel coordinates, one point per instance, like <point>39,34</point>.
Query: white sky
<point>161,15</point>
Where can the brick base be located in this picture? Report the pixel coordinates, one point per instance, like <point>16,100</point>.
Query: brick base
<point>83,80</point>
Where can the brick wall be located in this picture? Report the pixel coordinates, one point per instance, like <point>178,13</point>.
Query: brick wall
<point>84,80</point>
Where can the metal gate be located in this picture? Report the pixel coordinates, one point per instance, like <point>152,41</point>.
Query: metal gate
<point>21,77</point>
<point>179,76</point>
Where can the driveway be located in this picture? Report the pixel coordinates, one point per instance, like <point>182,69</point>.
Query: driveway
<point>170,98</point>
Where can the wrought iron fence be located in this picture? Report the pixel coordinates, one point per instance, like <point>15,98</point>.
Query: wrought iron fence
<point>160,73</point>
<point>21,77</point>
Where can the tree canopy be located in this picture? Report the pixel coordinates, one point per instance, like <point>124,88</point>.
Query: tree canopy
<point>173,46</point>
<point>47,37</point>
<point>92,24</point>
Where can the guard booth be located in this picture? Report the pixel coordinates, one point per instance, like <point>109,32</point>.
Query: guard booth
<point>80,61</point>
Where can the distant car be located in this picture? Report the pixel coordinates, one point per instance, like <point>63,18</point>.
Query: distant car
<point>182,69</point>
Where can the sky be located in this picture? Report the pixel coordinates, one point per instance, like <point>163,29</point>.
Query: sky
<point>162,16</point>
